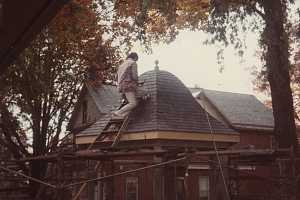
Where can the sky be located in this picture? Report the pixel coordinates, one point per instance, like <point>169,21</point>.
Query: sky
<point>195,64</point>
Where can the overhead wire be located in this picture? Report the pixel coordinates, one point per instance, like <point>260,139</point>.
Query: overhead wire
<point>125,172</point>
<point>218,156</point>
<point>28,177</point>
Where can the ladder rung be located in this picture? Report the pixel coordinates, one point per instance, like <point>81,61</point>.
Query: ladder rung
<point>118,136</point>
<point>116,120</point>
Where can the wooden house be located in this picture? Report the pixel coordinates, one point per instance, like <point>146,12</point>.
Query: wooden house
<point>254,122</point>
<point>242,112</point>
<point>170,121</point>
<point>172,127</point>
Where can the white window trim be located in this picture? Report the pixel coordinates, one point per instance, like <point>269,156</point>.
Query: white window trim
<point>200,167</point>
<point>208,186</point>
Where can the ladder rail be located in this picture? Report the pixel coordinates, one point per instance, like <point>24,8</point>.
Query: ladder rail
<point>119,134</point>
<point>115,142</point>
<point>101,131</point>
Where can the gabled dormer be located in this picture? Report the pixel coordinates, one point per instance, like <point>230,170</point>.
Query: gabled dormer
<point>94,101</point>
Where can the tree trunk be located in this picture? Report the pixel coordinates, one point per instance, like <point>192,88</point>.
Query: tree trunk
<point>277,61</point>
<point>38,167</point>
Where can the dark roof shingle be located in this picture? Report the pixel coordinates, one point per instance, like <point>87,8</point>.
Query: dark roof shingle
<point>171,107</point>
<point>243,111</point>
<point>106,97</point>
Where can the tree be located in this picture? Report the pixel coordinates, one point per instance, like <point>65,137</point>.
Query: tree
<point>296,86</point>
<point>225,20</point>
<point>42,85</point>
<point>261,82</point>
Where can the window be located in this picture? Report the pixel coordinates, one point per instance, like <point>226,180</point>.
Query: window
<point>203,188</point>
<point>98,189</point>
<point>84,112</point>
<point>273,143</point>
<point>103,190</point>
<point>180,189</point>
<point>132,190</point>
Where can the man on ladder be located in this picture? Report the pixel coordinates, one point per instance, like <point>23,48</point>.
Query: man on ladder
<point>127,85</point>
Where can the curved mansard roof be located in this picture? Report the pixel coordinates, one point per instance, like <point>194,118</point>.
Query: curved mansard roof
<point>171,107</point>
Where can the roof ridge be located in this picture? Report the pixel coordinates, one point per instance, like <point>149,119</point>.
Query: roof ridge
<point>227,122</point>
<point>156,97</point>
<point>225,117</point>
<point>203,89</point>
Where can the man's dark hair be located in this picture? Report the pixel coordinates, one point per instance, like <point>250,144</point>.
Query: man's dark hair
<point>133,56</point>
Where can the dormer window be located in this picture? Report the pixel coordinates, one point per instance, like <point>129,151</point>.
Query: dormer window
<point>84,112</point>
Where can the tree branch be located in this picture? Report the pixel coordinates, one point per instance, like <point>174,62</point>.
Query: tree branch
<point>260,13</point>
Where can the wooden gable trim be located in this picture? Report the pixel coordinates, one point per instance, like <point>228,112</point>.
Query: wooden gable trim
<point>76,108</point>
<point>85,91</point>
<point>213,106</point>
<point>93,94</point>
<point>166,135</point>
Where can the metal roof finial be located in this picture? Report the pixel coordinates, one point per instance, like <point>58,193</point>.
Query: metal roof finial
<point>156,65</point>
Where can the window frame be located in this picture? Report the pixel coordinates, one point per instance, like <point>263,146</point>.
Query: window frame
<point>136,181</point>
<point>84,111</point>
<point>180,181</point>
<point>203,177</point>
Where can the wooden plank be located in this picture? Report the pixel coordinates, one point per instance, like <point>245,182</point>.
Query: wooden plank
<point>89,154</point>
<point>169,135</point>
<point>135,161</point>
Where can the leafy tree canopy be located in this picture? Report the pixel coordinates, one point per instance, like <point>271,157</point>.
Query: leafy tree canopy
<point>225,20</point>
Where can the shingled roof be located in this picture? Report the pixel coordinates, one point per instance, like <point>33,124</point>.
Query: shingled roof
<point>242,111</point>
<point>105,96</point>
<point>170,108</point>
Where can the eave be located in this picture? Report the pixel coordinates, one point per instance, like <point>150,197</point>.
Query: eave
<point>21,22</point>
<point>164,135</point>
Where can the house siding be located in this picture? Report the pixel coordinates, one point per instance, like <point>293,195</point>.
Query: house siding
<point>252,182</point>
<point>257,139</point>
<point>147,180</point>
<point>160,183</point>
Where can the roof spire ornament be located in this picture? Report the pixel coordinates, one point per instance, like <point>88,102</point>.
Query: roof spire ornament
<point>156,65</point>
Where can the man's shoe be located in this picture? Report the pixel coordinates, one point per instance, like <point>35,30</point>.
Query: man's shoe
<point>116,116</point>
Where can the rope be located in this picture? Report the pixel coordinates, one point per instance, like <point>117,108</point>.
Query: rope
<point>28,177</point>
<point>218,157</point>
<point>125,172</point>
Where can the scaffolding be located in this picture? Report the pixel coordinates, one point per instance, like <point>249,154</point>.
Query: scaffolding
<point>73,167</point>
<point>69,172</point>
